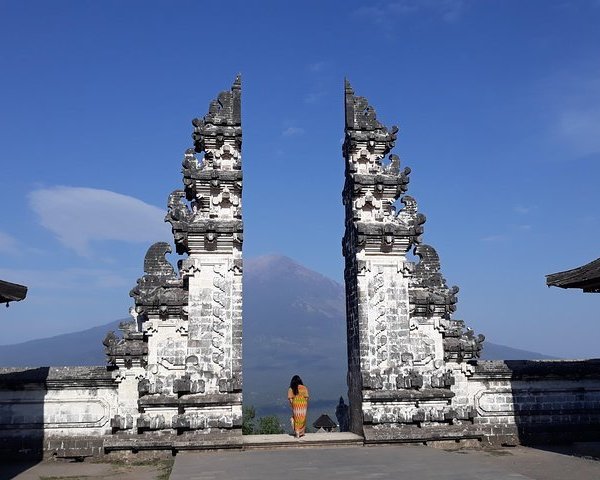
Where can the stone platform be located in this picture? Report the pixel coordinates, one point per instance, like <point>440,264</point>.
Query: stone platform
<point>383,463</point>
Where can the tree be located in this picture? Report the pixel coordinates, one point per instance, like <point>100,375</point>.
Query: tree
<point>248,414</point>
<point>269,425</point>
<point>263,426</point>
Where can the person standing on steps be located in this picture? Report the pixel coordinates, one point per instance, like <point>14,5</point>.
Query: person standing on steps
<point>298,397</point>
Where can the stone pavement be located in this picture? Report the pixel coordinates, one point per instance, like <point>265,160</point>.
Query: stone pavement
<point>59,470</point>
<point>383,463</point>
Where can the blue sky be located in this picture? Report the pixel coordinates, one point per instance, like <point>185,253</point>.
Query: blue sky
<point>498,104</point>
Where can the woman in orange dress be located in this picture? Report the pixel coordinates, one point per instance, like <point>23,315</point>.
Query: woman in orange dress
<point>298,397</point>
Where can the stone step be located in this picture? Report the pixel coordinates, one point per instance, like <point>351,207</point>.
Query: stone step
<point>172,442</point>
<point>251,442</point>
<point>415,434</point>
<point>239,442</point>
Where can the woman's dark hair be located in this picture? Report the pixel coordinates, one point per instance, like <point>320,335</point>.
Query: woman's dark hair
<point>296,380</point>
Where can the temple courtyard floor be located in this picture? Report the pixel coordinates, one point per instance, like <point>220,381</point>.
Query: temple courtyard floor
<point>275,457</point>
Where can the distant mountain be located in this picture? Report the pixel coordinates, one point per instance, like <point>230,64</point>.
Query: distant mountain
<point>294,323</point>
<point>493,351</point>
<point>78,348</point>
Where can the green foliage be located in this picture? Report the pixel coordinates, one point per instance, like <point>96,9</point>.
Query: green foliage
<point>248,414</point>
<point>268,425</point>
<point>262,426</point>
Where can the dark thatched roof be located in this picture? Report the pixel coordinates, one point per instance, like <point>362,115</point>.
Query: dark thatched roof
<point>324,422</point>
<point>586,277</point>
<point>11,292</point>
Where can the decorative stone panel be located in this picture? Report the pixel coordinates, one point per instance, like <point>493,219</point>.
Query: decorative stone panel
<point>535,401</point>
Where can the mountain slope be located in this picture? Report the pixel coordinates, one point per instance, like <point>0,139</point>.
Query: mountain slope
<point>493,351</point>
<point>77,348</point>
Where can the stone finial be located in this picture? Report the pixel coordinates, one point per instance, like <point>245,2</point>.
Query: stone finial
<point>461,343</point>
<point>160,289</point>
<point>429,293</point>
<point>155,262</point>
<point>223,120</point>
<point>412,218</point>
<point>427,271</point>
<point>362,123</point>
<point>128,350</point>
<point>359,114</point>
<point>179,215</point>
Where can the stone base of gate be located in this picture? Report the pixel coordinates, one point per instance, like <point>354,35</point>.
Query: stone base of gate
<point>460,434</point>
<point>177,443</point>
<point>173,442</point>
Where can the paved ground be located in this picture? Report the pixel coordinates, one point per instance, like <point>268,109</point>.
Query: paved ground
<point>539,464</point>
<point>383,463</point>
<point>325,462</point>
<point>59,470</point>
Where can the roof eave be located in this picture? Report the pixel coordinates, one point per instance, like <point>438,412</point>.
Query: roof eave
<point>12,292</point>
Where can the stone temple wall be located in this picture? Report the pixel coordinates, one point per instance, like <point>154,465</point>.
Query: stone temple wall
<point>55,410</point>
<point>519,401</point>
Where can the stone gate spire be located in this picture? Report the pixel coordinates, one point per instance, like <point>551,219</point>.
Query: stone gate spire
<point>179,363</point>
<point>403,349</point>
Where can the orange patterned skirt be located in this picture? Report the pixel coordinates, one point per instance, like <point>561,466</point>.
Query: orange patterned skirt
<point>299,405</point>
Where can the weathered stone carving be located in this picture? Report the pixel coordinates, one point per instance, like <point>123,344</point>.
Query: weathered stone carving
<point>402,341</point>
<point>428,293</point>
<point>128,351</point>
<point>213,185</point>
<point>160,291</point>
<point>461,344</point>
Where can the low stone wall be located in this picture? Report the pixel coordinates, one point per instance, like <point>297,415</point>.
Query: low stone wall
<point>62,411</point>
<point>521,401</point>
<point>66,411</point>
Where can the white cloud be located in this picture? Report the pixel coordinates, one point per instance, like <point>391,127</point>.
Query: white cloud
<point>78,216</point>
<point>313,97</point>
<point>494,238</point>
<point>292,131</point>
<point>374,13</point>
<point>73,279</point>
<point>588,220</point>
<point>8,244</point>
<point>523,210</point>
<point>317,66</point>
<point>573,99</point>
<point>581,128</point>
<point>385,13</point>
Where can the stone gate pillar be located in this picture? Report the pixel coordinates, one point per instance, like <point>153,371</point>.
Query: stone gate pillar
<point>179,362</point>
<point>404,351</point>
<point>211,233</point>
